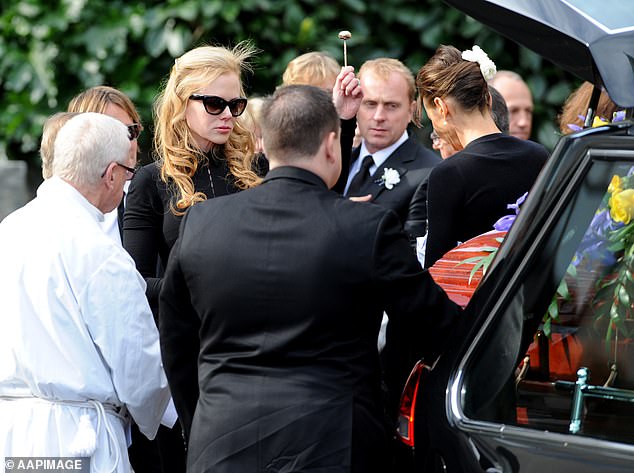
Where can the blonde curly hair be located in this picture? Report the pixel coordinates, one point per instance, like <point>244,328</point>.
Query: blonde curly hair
<point>177,152</point>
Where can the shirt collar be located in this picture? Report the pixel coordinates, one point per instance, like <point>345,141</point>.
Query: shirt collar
<point>380,156</point>
<point>55,187</point>
<point>292,172</point>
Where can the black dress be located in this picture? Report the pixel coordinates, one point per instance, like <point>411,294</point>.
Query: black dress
<point>469,192</point>
<point>150,230</point>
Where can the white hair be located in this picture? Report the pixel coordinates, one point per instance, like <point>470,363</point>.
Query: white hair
<point>85,146</point>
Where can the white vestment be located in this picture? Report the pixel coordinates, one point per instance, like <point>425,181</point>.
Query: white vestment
<point>77,337</point>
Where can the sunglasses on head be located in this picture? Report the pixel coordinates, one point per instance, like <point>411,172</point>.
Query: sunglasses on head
<point>216,105</point>
<point>134,130</point>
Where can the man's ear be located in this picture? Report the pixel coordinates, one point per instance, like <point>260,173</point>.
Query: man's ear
<point>332,141</point>
<point>108,176</point>
<point>413,111</point>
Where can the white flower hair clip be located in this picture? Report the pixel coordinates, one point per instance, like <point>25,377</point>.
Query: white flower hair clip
<point>487,66</point>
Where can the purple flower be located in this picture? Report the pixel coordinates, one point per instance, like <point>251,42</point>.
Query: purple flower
<point>595,254</point>
<point>518,202</point>
<point>602,224</point>
<point>619,116</point>
<point>595,242</point>
<point>504,223</point>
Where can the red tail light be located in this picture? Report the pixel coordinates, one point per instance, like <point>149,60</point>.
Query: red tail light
<point>405,423</point>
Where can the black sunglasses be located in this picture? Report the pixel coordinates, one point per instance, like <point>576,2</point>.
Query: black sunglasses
<point>134,130</point>
<point>215,105</point>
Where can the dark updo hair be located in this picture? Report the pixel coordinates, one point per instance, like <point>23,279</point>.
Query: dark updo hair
<point>446,74</point>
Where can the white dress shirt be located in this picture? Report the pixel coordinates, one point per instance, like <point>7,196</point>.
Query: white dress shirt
<point>379,157</point>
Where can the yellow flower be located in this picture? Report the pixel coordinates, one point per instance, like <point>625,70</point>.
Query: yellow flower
<point>622,206</point>
<point>615,185</point>
<point>598,121</point>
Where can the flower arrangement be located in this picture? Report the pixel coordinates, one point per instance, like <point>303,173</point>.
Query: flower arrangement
<point>598,121</point>
<point>607,247</point>
<point>389,179</point>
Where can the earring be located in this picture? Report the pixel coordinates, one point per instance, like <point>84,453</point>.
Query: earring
<point>444,123</point>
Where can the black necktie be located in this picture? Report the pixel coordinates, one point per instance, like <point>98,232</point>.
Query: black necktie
<point>359,180</point>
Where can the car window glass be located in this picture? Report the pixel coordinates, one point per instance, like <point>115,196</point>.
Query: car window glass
<point>573,309</point>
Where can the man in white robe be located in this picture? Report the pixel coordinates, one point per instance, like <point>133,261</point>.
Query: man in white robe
<point>78,344</point>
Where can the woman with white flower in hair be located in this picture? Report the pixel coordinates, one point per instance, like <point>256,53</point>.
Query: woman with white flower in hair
<point>469,191</point>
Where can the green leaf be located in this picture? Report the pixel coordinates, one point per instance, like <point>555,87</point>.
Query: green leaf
<point>546,328</point>
<point>186,10</point>
<point>601,311</point>
<point>553,309</point>
<point>538,85</point>
<point>357,6</point>
<point>473,259</point>
<point>562,289</point>
<point>155,43</point>
<point>471,28</point>
<point>557,94</point>
<point>28,9</point>
<point>529,59</point>
<point>624,297</point>
<point>230,11</point>
<point>488,248</point>
<point>431,35</point>
<point>548,135</point>
<point>177,39</point>
<point>306,31</point>
<point>475,269</point>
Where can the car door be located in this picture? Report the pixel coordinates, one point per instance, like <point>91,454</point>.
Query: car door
<point>540,374</point>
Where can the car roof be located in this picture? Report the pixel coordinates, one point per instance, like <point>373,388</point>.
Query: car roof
<point>591,39</point>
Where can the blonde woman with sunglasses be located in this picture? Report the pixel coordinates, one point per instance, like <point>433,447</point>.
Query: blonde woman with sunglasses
<point>203,150</point>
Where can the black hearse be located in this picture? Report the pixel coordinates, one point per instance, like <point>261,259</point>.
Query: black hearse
<point>539,376</point>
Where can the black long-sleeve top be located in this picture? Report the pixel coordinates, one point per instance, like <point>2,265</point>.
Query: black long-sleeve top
<point>150,228</point>
<point>468,192</point>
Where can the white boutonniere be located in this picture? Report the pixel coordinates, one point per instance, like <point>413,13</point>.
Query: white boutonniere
<point>389,178</point>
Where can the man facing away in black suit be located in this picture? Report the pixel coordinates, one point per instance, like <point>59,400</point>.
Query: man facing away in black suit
<point>271,306</point>
<point>387,108</point>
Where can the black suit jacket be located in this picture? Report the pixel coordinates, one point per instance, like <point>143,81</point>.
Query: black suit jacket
<point>413,162</point>
<point>269,314</point>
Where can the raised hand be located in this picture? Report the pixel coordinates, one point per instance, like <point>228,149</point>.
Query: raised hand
<point>347,93</point>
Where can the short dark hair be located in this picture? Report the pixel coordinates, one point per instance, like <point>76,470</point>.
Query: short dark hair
<point>499,110</point>
<point>295,120</point>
